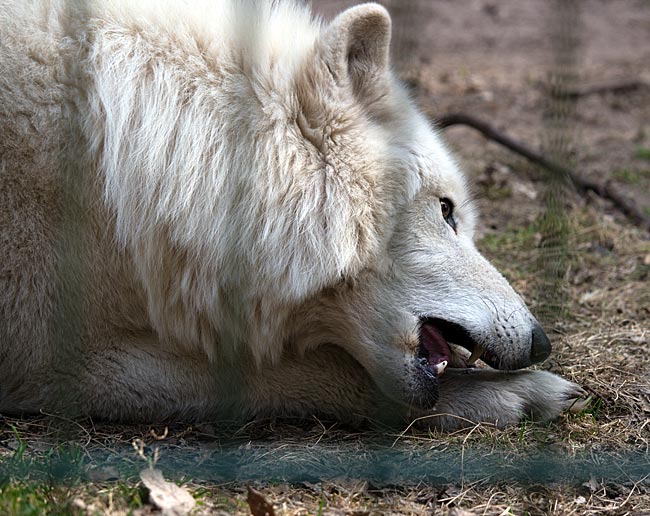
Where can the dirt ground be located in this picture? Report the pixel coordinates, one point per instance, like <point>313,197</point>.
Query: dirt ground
<point>491,59</point>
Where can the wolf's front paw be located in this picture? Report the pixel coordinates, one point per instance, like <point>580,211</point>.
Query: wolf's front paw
<point>502,397</point>
<point>547,395</point>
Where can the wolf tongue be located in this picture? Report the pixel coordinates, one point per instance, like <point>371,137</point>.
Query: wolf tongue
<point>435,344</point>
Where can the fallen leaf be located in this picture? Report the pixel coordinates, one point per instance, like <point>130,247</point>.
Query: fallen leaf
<point>258,504</point>
<point>592,484</point>
<point>171,499</point>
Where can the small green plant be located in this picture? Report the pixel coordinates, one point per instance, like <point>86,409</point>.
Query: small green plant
<point>522,431</point>
<point>592,408</point>
<point>35,499</point>
<point>521,237</point>
<point>133,494</point>
<point>19,453</point>
<point>642,153</point>
<point>628,175</point>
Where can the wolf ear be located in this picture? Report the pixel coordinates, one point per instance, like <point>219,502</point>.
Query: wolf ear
<point>357,46</point>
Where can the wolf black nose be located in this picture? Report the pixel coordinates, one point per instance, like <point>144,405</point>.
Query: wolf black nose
<point>540,347</point>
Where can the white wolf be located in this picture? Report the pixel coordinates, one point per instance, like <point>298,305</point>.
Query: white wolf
<point>212,209</point>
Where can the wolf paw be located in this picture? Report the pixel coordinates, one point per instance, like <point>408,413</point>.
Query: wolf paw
<point>547,395</point>
<point>502,398</point>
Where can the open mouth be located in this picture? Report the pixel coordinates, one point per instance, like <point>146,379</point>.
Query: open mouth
<point>435,336</point>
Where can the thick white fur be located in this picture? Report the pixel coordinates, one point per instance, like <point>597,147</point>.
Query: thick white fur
<point>258,206</point>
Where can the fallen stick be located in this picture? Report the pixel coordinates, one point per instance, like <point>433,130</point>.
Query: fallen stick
<point>605,190</point>
<point>617,86</point>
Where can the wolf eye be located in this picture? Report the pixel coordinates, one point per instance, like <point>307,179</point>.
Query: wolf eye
<point>447,208</point>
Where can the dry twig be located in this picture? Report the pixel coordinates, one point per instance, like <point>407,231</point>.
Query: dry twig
<point>607,189</point>
<point>617,86</point>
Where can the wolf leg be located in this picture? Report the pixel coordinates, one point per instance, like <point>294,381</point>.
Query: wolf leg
<point>500,397</point>
<point>141,380</point>
<point>326,382</point>
<point>129,380</point>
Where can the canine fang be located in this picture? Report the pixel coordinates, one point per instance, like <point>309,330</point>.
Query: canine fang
<point>476,354</point>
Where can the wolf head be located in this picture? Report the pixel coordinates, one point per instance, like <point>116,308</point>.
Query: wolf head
<point>419,284</point>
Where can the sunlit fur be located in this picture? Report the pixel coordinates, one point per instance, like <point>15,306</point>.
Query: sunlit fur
<point>246,206</point>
